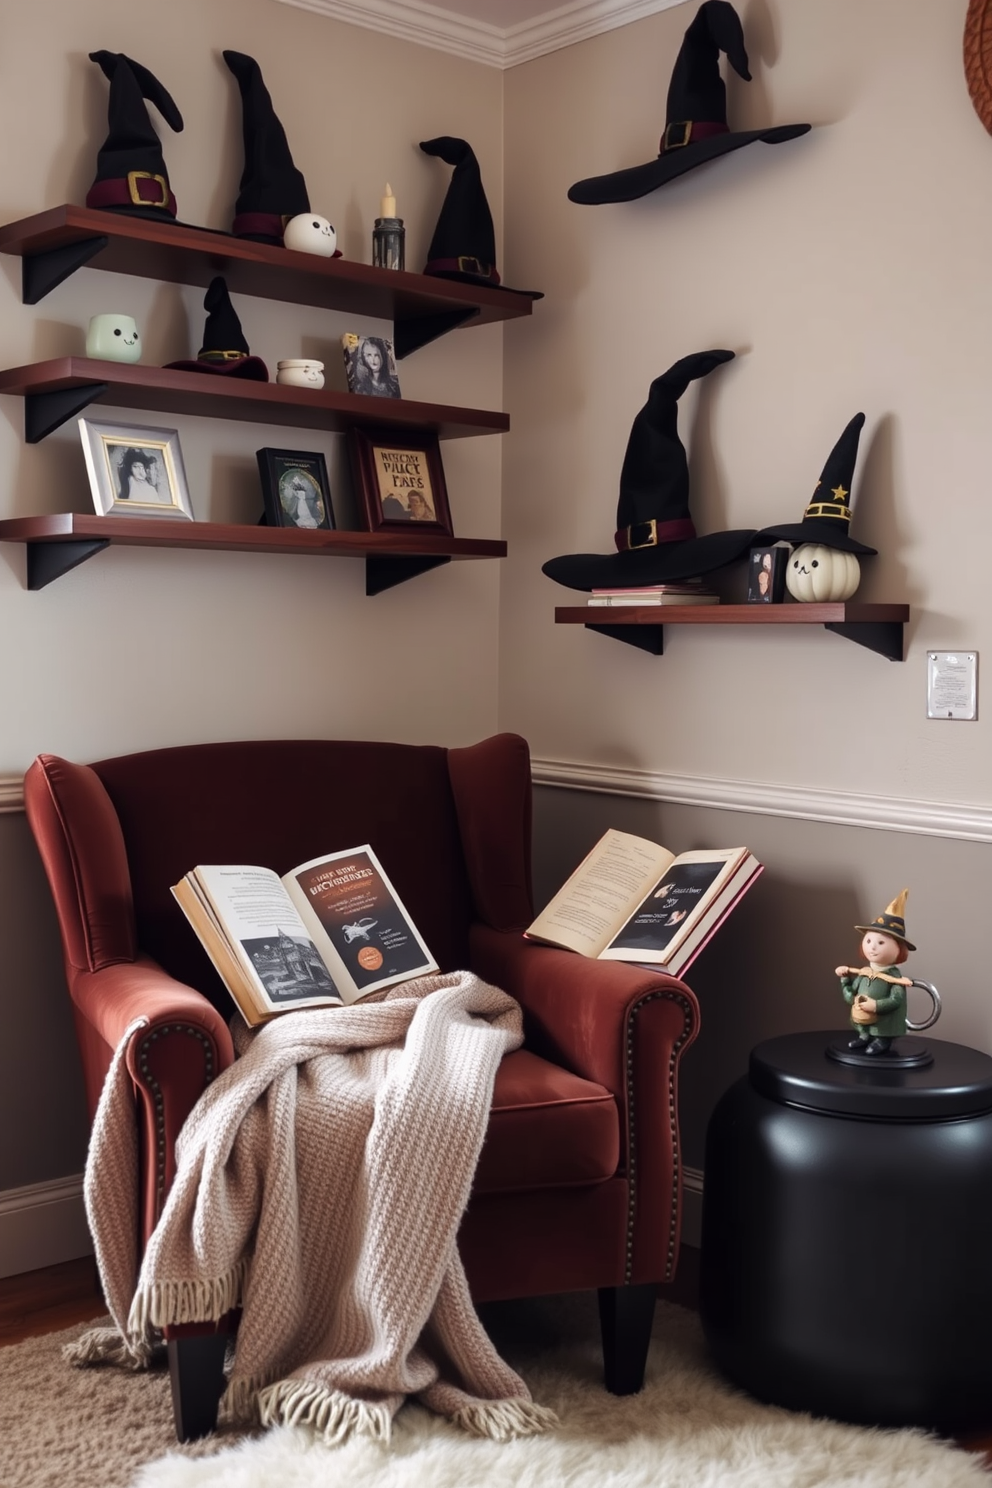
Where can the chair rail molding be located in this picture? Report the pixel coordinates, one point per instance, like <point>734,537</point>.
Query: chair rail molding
<point>957,819</point>
<point>479,41</point>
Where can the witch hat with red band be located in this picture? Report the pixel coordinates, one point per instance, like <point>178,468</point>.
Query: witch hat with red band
<point>828,516</point>
<point>464,243</point>
<point>655,538</point>
<point>696,128</point>
<point>131,177</point>
<point>225,350</point>
<point>272,189</point>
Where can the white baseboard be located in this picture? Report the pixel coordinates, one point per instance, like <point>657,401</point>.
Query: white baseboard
<point>42,1224</point>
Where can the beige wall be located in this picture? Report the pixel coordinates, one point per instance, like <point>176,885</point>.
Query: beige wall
<point>139,648</point>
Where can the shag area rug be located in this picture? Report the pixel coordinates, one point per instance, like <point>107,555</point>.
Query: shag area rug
<point>104,1428</point>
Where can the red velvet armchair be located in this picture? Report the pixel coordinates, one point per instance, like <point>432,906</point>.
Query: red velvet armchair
<point>578,1186</point>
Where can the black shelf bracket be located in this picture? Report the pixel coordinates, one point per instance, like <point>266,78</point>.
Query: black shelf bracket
<point>883,636</point>
<point>386,572</point>
<point>44,412</point>
<point>50,560</point>
<point>649,638</point>
<point>41,272</point>
<point>410,335</point>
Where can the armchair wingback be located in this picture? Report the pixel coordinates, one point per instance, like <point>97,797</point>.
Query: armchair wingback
<point>579,1183</point>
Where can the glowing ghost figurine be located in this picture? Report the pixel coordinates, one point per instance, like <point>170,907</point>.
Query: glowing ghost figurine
<point>309,233</point>
<point>113,338</point>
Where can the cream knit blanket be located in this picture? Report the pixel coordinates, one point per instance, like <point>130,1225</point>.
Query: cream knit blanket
<point>321,1181</point>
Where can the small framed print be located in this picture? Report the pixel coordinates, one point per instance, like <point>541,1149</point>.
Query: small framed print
<point>766,575</point>
<point>370,366</point>
<point>135,471</point>
<point>295,489</point>
<point>400,479</point>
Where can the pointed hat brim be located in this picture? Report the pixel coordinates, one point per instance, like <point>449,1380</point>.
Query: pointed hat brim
<point>657,565</point>
<point>640,180</point>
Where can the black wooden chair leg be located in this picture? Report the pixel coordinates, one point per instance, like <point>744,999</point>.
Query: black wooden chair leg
<point>625,1317</point>
<point>196,1369</point>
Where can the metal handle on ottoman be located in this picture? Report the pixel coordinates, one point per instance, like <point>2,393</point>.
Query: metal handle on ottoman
<point>935,1014</point>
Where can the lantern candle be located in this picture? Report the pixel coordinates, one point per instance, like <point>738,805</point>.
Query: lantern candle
<point>388,235</point>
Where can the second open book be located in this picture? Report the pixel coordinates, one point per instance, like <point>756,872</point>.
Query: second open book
<point>329,931</point>
<point>632,900</point>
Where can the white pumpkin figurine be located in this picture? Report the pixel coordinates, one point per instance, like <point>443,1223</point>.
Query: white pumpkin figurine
<point>817,573</point>
<point>823,566</point>
<point>309,233</point>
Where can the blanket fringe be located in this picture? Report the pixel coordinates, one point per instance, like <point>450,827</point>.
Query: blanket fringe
<point>108,1346</point>
<point>332,1414</point>
<point>503,1420</point>
<point>167,1302</point>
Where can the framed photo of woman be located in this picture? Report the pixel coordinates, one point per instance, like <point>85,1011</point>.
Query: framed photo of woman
<point>400,480</point>
<point>135,471</point>
<point>295,489</point>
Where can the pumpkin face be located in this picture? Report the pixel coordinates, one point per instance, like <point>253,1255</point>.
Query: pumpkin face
<point>816,573</point>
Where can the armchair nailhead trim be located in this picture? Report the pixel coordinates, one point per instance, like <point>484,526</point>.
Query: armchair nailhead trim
<point>673,1125</point>
<point>155,1090</point>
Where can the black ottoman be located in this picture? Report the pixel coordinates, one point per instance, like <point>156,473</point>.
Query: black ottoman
<point>846,1263</point>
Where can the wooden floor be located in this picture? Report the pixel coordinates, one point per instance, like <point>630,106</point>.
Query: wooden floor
<point>43,1301</point>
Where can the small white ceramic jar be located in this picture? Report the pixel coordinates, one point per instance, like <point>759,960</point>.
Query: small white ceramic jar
<point>300,373</point>
<point>113,338</point>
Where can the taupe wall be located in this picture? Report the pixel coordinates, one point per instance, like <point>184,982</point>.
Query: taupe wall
<point>139,648</point>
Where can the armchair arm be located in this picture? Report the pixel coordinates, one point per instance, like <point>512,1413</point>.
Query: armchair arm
<point>627,1029</point>
<point>172,1061</point>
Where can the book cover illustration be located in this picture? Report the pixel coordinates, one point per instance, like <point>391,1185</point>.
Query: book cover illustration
<point>660,917</point>
<point>362,919</point>
<point>285,959</point>
<point>370,366</point>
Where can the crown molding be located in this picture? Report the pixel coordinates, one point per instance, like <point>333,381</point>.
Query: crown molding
<point>478,41</point>
<point>840,808</point>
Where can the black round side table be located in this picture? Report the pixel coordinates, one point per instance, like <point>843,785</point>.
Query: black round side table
<point>846,1264</point>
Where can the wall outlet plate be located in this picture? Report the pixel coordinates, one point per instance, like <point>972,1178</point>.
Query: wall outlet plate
<point>952,684</point>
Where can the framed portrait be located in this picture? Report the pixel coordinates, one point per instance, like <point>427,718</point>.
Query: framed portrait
<point>370,366</point>
<point>295,489</point>
<point>766,575</point>
<point>135,471</point>
<point>399,478</point>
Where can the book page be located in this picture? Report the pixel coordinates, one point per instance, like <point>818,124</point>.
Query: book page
<point>266,934</point>
<point>599,895</point>
<point>673,908</point>
<point>357,920</point>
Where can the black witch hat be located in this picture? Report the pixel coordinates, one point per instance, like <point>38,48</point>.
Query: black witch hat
<point>131,177</point>
<point>893,921</point>
<point>828,516</point>
<point>696,128</point>
<point>656,539</point>
<point>464,243</point>
<point>272,189</point>
<point>225,350</point>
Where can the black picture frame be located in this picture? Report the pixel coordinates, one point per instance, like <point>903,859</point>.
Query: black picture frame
<point>392,470</point>
<point>766,575</point>
<point>295,489</point>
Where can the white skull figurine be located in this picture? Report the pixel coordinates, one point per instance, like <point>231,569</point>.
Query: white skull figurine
<point>309,233</point>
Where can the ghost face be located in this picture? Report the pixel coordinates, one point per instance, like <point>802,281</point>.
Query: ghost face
<point>309,233</point>
<point>113,338</point>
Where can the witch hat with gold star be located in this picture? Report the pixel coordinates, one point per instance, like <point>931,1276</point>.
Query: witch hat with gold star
<point>892,922</point>
<point>828,516</point>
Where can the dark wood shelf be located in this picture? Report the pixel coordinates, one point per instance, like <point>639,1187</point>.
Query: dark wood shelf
<point>877,626</point>
<point>59,542</point>
<point>54,244</point>
<point>58,390</point>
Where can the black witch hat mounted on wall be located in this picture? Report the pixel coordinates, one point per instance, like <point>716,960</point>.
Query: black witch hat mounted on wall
<point>225,350</point>
<point>272,189</point>
<point>827,517</point>
<point>464,243</point>
<point>656,539</point>
<point>696,128</point>
<point>131,177</point>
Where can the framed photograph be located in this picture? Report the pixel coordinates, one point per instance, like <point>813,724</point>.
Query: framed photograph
<point>295,489</point>
<point>766,575</point>
<point>370,366</point>
<point>135,471</point>
<point>400,479</point>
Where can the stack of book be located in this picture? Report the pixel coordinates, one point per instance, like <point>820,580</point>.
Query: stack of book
<point>688,592</point>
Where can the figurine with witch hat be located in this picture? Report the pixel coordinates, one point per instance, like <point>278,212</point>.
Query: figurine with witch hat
<point>824,564</point>
<point>876,994</point>
<point>696,128</point>
<point>656,539</point>
<point>131,177</point>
